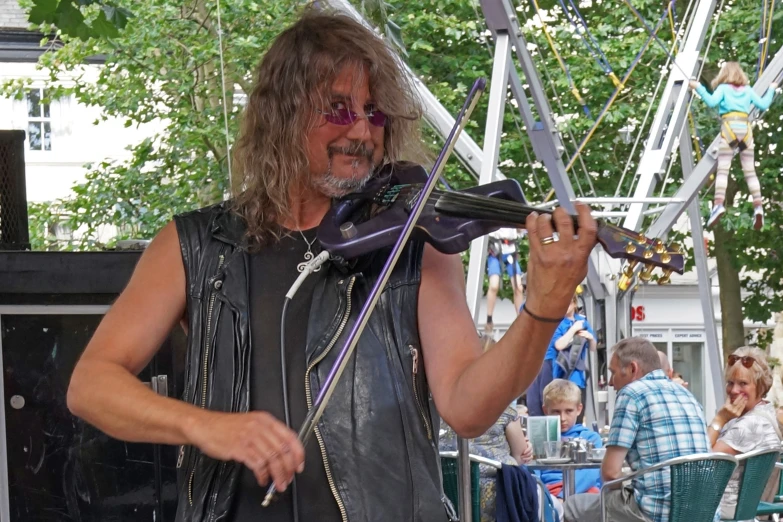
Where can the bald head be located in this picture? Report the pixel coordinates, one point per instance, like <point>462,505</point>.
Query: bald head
<point>665,366</point>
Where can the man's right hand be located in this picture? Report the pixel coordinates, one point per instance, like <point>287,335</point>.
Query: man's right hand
<point>256,439</point>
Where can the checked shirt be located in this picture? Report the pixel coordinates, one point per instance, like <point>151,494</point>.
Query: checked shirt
<point>657,420</point>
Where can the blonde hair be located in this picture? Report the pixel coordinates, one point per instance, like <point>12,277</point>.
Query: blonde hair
<point>292,81</point>
<point>731,73</point>
<point>561,390</point>
<point>762,374</point>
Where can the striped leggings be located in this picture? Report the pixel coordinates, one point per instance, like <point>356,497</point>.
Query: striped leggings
<point>747,160</point>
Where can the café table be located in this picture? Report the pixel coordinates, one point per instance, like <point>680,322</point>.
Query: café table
<point>569,472</point>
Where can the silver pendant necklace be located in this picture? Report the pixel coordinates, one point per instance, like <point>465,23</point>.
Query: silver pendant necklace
<point>308,256</point>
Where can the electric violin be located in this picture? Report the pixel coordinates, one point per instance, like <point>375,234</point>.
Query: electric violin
<point>372,219</point>
<point>392,209</point>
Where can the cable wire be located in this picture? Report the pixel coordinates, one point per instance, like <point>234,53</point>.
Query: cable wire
<point>223,90</point>
<point>515,117</point>
<point>617,90</point>
<point>562,63</point>
<point>592,45</point>
<point>643,125</point>
<point>558,100</point>
<point>286,408</point>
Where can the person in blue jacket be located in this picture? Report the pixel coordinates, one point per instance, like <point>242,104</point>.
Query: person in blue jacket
<point>734,98</point>
<point>573,327</point>
<point>563,399</point>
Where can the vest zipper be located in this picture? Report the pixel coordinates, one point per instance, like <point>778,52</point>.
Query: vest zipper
<point>309,396</point>
<point>419,405</point>
<point>211,507</point>
<point>205,371</point>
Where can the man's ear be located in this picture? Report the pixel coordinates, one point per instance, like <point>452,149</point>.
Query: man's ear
<point>634,369</point>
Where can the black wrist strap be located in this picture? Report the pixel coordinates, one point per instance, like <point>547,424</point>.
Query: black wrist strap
<point>538,317</point>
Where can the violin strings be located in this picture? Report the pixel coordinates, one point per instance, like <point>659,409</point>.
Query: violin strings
<point>501,210</point>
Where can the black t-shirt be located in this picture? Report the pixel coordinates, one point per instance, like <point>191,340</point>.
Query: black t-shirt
<point>272,272</point>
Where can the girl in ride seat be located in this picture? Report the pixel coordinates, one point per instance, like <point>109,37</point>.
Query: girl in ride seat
<point>734,98</point>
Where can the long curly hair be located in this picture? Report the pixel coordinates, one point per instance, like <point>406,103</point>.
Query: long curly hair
<point>292,81</point>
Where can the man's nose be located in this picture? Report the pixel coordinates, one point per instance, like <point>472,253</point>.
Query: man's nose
<point>360,129</point>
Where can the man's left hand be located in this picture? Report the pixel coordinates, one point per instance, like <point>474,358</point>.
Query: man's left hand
<point>555,268</point>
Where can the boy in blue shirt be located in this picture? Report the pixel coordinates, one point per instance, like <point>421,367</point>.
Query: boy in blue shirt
<point>563,399</point>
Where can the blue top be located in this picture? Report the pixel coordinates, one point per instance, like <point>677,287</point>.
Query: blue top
<point>733,98</point>
<point>585,478</point>
<point>577,376</point>
<point>656,420</point>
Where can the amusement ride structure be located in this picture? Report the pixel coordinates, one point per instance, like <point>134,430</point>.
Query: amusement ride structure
<point>610,286</point>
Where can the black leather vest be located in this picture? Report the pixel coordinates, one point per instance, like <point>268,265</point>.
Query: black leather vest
<point>376,434</point>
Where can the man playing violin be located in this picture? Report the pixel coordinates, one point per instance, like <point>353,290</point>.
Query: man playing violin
<point>330,106</point>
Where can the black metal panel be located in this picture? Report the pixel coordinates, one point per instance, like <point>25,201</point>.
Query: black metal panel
<point>14,234</point>
<point>47,273</point>
<point>60,468</point>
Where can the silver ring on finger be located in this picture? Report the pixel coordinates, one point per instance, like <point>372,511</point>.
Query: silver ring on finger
<point>547,240</point>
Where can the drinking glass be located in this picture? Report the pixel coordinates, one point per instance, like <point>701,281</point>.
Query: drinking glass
<point>552,449</point>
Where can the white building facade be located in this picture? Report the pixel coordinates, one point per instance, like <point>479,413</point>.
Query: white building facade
<point>62,135</point>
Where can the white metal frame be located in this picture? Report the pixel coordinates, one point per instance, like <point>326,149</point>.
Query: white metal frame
<point>668,124</point>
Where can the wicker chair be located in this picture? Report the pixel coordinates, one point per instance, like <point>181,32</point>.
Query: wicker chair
<point>758,466</point>
<point>697,485</point>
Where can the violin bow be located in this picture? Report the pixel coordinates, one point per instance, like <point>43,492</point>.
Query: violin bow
<point>315,413</point>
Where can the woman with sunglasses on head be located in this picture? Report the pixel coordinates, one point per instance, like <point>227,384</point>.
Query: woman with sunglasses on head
<point>746,422</point>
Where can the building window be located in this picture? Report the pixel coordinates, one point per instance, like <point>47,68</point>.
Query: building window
<point>39,120</point>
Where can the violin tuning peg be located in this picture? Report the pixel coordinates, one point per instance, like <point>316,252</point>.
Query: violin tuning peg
<point>648,253</point>
<point>660,248</point>
<point>629,268</point>
<point>627,277</point>
<point>630,248</point>
<point>676,248</point>
<point>666,278</point>
<point>646,274</point>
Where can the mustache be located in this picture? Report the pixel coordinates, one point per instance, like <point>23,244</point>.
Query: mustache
<point>356,148</point>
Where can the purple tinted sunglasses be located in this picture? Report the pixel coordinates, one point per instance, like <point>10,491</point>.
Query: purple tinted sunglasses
<point>344,116</point>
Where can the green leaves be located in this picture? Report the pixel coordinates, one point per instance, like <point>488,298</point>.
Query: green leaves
<point>83,19</point>
<point>162,66</point>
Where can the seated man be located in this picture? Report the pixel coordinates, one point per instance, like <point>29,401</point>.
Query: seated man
<point>654,420</point>
<point>562,398</point>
